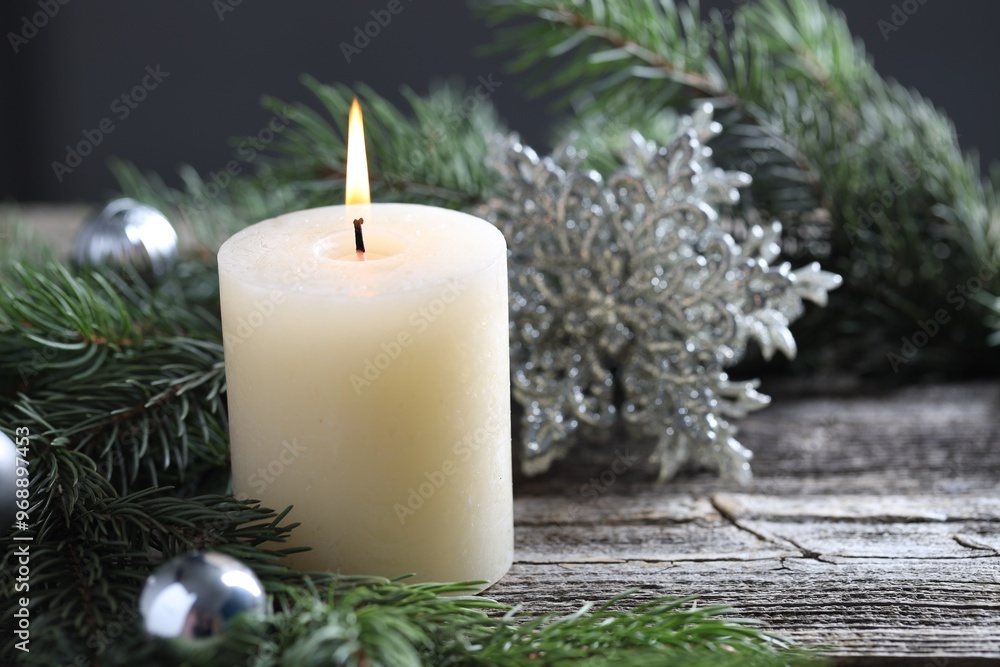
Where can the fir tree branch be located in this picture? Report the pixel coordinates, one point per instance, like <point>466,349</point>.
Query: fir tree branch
<point>804,110</point>
<point>433,154</point>
<point>130,376</point>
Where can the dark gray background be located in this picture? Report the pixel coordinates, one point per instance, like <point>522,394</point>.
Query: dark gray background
<point>64,80</point>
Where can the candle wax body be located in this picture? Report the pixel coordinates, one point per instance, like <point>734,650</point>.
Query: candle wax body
<point>374,396</point>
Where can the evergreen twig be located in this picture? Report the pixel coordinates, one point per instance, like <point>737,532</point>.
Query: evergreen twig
<point>805,112</point>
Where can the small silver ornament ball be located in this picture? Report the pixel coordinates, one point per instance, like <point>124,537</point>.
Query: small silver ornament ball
<point>8,482</point>
<point>197,596</point>
<point>128,233</point>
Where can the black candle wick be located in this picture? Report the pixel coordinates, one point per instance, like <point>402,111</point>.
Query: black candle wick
<point>359,239</point>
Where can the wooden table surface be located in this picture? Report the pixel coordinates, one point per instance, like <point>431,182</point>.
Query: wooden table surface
<point>872,526</point>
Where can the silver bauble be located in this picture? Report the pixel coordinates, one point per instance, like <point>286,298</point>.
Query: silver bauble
<point>8,481</point>
<point>127,233</point>
<point>197,596</point>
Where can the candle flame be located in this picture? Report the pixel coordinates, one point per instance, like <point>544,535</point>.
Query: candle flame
<point>358,190</point>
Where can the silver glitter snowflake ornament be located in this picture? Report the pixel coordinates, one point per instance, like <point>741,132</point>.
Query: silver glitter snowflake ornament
<point>629,300</point>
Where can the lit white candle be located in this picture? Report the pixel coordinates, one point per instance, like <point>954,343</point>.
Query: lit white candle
<point>374,395</point>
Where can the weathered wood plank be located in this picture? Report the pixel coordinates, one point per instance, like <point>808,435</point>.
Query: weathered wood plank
<point>916,440</point>
<point>880,579</point>
<point>56,223</point>
<point>739,530</point>
<point>694,540</point>
<point>851,527</point>
<point>857,507</point>
<point>880,540</point>
<point>872,608</point>
<point>657,505</point>
<point>933,439</point>
<point>650,505</point>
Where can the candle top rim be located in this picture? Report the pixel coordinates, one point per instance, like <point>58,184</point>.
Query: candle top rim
<point>310,251</point>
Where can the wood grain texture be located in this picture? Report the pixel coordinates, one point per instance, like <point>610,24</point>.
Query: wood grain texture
<point>863,608</point>
<point>872,527</point>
